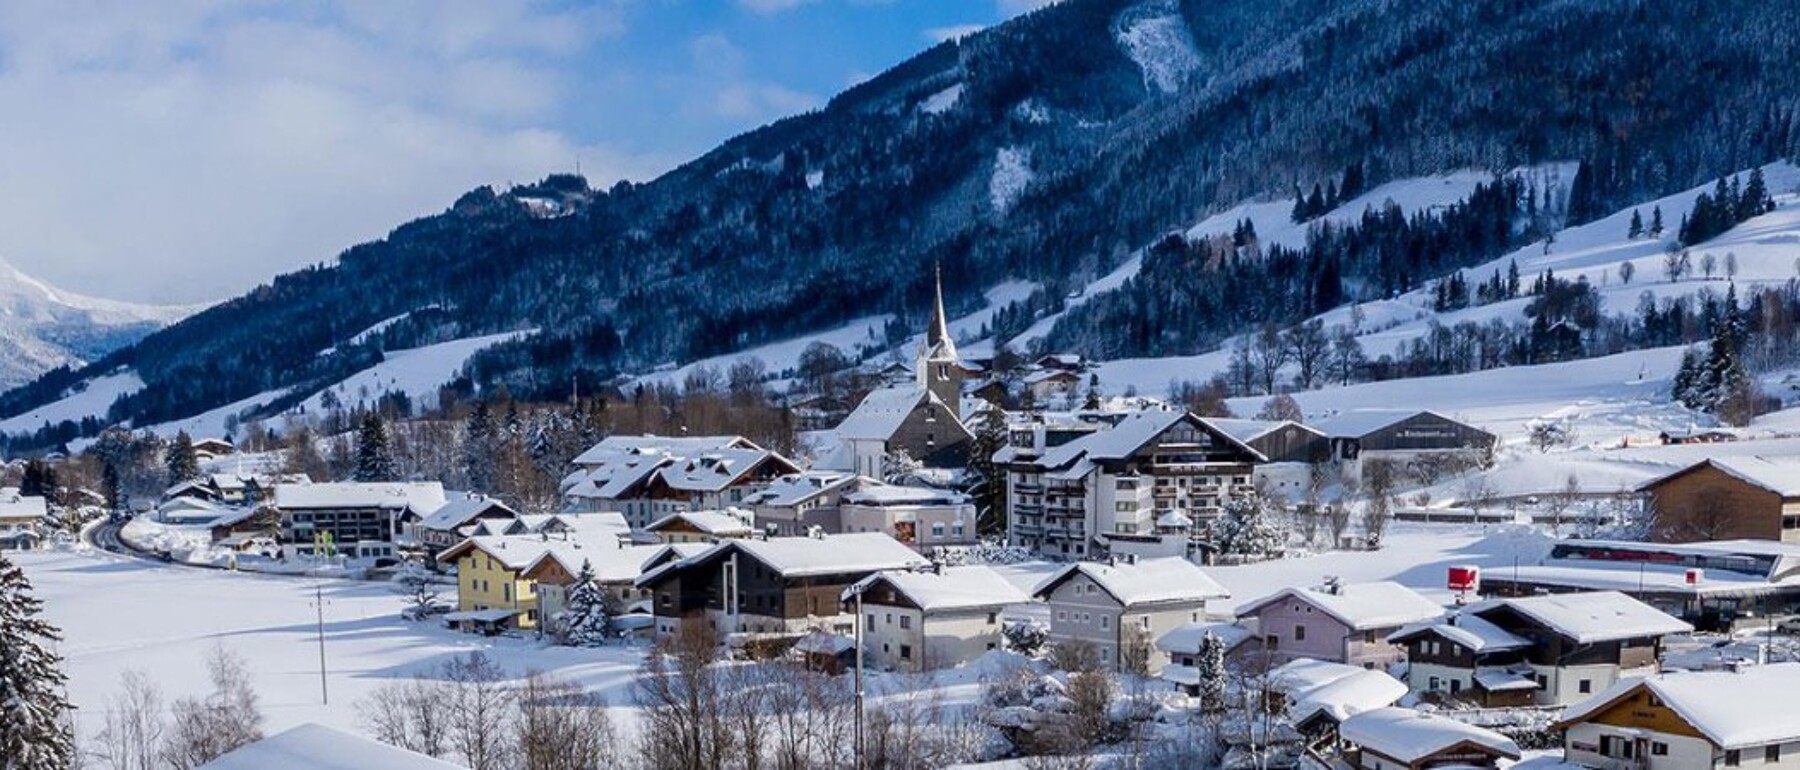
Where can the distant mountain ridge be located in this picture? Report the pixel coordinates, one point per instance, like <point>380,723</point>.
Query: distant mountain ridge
<point>1051,150</point>
<point>43,327</point>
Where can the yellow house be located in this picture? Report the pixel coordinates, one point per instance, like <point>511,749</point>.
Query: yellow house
<point>497,578</point>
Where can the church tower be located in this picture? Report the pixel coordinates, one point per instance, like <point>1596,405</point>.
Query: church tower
<point>937,368</point>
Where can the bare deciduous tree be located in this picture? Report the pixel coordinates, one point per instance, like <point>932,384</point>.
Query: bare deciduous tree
<point>479,702</point>
<point>561,727</point>
<point>227,718</point>
<point>133,733</point>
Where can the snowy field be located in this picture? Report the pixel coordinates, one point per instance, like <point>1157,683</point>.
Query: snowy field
<point>120,614</point>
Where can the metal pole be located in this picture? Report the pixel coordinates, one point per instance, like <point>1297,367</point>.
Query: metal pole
<point>319,603</point>
<point>859,680</point>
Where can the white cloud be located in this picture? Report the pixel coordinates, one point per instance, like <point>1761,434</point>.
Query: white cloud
<point>179,150</point>
<point>726,89</point>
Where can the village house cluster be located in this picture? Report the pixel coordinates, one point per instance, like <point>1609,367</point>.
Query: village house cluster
<point>1112,520</point>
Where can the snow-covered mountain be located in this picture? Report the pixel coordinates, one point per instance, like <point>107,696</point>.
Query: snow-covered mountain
<point>43,327</point>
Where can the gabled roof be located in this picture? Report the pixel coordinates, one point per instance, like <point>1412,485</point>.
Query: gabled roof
<point>1146,581</point>
<point>418,496</point>
<point>954,588</point>
<point>1410,736</point>
<point>796,488</point>
<point>1471,631</point>
<point>796,557</point>
<point>1359,606</point>
<point>884,410</point>
<point>317,747</point>
<point>1590,616</point>
<point>1782,478</point>
<point>1733,709</point>
<point>717,470</point>
<point>1359,423</point>
<point>1250,430</point>
<point>1131,434</point>
<point>716,523</point>
<point>611,447</point>
<point>1186,637</point>
<point>463,510</point>
<point>17,506</point>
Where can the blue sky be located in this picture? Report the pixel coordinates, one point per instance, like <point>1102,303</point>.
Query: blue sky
<point>186,150</point>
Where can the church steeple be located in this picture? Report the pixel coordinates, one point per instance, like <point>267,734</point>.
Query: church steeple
<point>937,367</point>
<point>937,340</point>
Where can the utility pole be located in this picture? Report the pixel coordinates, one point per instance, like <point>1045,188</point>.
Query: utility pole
<point>319,604</point>
<point>859,677</point>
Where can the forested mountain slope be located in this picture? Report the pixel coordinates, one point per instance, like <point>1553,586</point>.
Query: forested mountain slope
<point>1048,149</point>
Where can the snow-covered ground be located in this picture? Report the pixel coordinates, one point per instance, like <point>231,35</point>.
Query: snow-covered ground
<point>1155,36</point>
<point>120,614</point>
<point>93,400</point>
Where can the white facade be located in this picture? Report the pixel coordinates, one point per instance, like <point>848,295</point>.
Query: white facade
<point>1569,685</point>
<point>1630,747</point>
<point>1081,611</point>
<point>909,640</point>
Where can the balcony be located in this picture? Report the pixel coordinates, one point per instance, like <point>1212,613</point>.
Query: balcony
<point>1024,488</point>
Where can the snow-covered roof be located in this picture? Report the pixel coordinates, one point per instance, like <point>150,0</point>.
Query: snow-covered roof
<point>832,554</point>
<point>1591,616</point>
<point>1186,637</point>
<point>881,413</point>
<point>1174,519</point>
<point>1411,736</point>
<point>892,494</point>
<point>1248,430</point>
<point>796,488</point>
<point>1336,690</point>
<point>1360,606</point>
<point>418,496</point>
<point>822,643</point>
<point>1128,436</point>
<point>1471,631</point>
<point>1144,581</point>
<point>317,747</point>
<point>716,470</point>
<point>732,523</point>
<point>224,481</point>
<point>460,511</point>
<point>1361,422</point>
<point>955,588</point>
<point>1733,709</point>
<point>1779,476</point>
<point>17,506</point>
<point>611,447</point>
<point>1636,576</point>
<point>794,557</point>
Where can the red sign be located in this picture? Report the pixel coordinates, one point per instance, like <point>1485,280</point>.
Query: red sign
<point>1464,578</point>
<point>1694,576</point>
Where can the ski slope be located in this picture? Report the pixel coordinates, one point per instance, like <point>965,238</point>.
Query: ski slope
<point>91,401</point>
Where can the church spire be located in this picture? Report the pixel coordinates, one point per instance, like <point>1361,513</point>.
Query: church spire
<point>937,339</point>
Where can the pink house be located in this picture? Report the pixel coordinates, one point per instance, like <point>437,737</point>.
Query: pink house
<point>1339,623</point>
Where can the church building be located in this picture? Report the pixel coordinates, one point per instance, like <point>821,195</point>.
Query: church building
<point>921,418</point>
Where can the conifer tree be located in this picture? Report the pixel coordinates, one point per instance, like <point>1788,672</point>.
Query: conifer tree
<point>1656,223</point>
<point>183,462</point>
<point>1245,529</point>
<point>988,489</point>
<point>478,449</point>
<point>34,730</point>
<point>1636,230</point>
<point>585,621</point>
<point>1210,665</point>
<point>374,457</point>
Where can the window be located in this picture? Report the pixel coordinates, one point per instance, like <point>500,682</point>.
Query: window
<point>1061,615</point>
<point>1368,637</point>
<point>906,652</point>
<point>1433,685</point>
<point>1658,748</point>
<point>1455,686</point>
<point>1772,752</point>
<point>1733,757</point>
<point>993,618</point>
<point>869,622</point>
<point>1144,622</point>
<point>1105,622</point>
<point>888,619</point>
<point>1585,686</point>
<point>906,621</point>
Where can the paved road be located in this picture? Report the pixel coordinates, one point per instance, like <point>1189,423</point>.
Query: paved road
<point>105,536</point>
